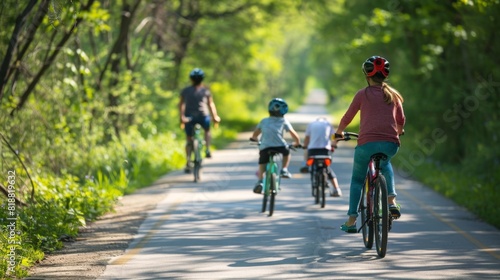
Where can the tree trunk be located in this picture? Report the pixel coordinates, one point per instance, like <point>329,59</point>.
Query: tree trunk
<point>50,60</point>
<point>14,42</point>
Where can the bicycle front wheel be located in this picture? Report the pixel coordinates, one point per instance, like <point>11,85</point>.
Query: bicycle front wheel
<point>272,193</point>
<point>265,194</point>
<point>381,215</point>
<point>366,223</point>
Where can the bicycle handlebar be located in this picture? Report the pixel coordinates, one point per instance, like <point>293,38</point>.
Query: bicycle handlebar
<point>346,136</point>
<point>288,145</point>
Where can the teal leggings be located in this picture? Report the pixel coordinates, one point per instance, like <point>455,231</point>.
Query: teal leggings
<point>362,156</point>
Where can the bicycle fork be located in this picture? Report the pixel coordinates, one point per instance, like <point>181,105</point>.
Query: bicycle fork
<point>270,169</point>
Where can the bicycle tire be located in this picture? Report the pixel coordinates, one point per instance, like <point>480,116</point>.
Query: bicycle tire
<point>272,194</point>
<point>316,187</point>
<point>366,224</point>
<point>196,171</point>
<point>323,188</point>
<point>265,195</point>
<point>197,160</point>
<point>381,216</point>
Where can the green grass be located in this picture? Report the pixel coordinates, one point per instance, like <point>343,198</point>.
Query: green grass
<point>456,183</point>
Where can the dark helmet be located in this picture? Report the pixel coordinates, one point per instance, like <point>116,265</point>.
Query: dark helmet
<point>374,65</point>
<point>278,107</point>
<point>197,75</point>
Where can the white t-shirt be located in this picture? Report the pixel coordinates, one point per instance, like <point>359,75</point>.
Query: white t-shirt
<point>320,134</point>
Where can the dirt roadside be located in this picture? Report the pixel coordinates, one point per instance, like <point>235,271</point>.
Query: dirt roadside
<point>87,257</point>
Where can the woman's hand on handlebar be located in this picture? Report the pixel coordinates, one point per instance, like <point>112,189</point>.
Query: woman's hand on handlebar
<point>185,119</point>
<point>345,136</point>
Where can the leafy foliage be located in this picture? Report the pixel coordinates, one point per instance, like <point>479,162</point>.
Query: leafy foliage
<point>441,61</point>
<point>90,90</point>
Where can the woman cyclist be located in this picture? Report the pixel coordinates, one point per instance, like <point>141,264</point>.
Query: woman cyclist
<point>196,106</point>
<point>381,122</point>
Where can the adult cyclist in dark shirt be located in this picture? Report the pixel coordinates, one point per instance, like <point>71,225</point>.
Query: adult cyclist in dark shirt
<point>196,106</point>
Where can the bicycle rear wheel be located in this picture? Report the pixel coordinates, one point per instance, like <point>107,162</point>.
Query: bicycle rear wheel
<point>366,223</point>
<point>272,193</point>
<point>322,189</point>
<point>197,160</point>
<point>381,215</point>
<point>316,184</point>
<point>196,170</point>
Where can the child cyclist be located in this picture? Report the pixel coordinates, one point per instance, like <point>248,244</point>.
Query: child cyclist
<point>272,129</point>
<point>318,142</point>
<point>381,122</point>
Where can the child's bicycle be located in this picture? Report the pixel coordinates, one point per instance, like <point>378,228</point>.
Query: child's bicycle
<point>319,178</point>
<point>272,179</point>
<point>376,220</point>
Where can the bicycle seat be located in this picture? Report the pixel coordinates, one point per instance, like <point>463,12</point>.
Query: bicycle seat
<point>379,156</point>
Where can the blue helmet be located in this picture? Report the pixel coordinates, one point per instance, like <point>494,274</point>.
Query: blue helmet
<point>278,107</point>
<point>197,75</point>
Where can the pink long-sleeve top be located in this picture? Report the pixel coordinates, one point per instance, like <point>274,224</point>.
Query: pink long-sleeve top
<point>378,120</point>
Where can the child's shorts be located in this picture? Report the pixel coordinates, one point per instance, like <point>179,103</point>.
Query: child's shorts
<point>264,155</point>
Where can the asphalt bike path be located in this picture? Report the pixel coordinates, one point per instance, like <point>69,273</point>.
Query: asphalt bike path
<point>213,229</point>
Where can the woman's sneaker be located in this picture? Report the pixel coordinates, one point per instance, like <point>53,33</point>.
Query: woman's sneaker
<point>395,210</point>
<point>349,229</point>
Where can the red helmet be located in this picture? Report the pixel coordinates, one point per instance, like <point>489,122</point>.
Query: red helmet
<point>374,65</point>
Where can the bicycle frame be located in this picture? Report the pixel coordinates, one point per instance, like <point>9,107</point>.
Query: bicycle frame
<point>373,206</point>
<point>271,168</point>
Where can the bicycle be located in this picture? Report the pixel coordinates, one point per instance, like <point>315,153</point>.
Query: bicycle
<point>272,179</point>
<point>197,146</point>
<point>376,221</point>
<point>198,143</point>
<point>319,178</point>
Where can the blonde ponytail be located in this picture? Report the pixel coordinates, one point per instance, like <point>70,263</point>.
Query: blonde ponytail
<point>391,94</point>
